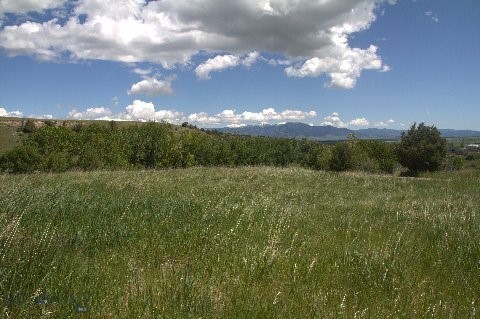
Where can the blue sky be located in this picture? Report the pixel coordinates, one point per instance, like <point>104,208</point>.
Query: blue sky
<point>214,63</point>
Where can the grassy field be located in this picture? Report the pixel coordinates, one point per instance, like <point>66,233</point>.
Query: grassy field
<point>239,243</point>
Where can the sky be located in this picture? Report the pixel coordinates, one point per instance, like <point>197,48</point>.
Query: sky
<point>216,63</point>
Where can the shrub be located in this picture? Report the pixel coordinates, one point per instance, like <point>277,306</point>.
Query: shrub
<point>322,156</point>
<point>422,148</point>
<point>51,139</point>
<point>29,127</point>
<point>470,157</point>
<point>21,159</point>
<point>57,162</point>
<point>342,157</point>
<point>152,145</point>
<point>375,156</point>
<point>453,163</point>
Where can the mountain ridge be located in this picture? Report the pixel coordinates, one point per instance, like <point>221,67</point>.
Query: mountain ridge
<point>331,133</point>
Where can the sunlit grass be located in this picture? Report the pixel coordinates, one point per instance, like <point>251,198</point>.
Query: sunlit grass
<point>239,243</point>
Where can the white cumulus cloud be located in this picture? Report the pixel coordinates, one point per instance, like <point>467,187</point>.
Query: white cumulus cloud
<point>141,71</point>
<point>222,62</point>
<point>90,114</point>
<point>230,117</point>
<point>217,64</point>
<point>312,34</point>
<point>335,120</point>
<point>5,113</point>
<point>140,110</point>
<point>297,115</point>
<point>344,69</point>
<point>25,6</point>
<point>137,111</point>
<point>384,123</point>
<point>152,86</point>
<point>251,59</point>
<point>203,118</point>
<point>145,111</point>
<point>359,122</point>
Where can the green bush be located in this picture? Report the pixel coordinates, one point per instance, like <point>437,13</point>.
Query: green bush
<point>162,145</point>
<point>57,162</point>
<point>21,159</point>
<point>422,148</point>
<point>453,163</point>
<point>321,158</point>
<point>342,157</point>
<point>363,155</point>
<point>375,156</point>
<point>152,145</point>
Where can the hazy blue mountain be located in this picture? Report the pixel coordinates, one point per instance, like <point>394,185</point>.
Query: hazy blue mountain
<point>330,133</point>
<point>378,133</point>
<point>459,133</point>
<point>292,130</point>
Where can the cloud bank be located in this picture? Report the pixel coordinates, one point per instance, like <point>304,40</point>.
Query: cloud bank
<point>230,117</point>
<point>335,120</point>
<point>5,113</point>
<point>146,111</point>
<point>25,6</point>
<point>143,111</point>
<point>137,111</point>
<point>312,34</point>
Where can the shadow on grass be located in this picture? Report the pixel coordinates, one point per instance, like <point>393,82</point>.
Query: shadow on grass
<point>410,174</point>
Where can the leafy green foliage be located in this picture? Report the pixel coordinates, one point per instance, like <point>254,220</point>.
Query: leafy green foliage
<point>380,155</point>
<point>363,155</point>
<point>57,162</point>
<point>453,163</point>
<point>342,157</point>
<point>161,145</point>
<point>21,159</point>
<point>422,148</point>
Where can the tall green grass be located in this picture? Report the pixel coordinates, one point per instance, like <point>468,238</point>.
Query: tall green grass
<point>239,243</point>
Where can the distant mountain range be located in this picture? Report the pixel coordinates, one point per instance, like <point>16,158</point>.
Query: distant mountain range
<point>331,133</point>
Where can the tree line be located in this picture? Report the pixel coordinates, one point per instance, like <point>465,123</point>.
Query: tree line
<point>161,145</point>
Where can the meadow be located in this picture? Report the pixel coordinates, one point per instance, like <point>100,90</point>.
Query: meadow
<point>251,242</point>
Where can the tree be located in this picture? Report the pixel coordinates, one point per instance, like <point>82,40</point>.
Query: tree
<point>422,148</point>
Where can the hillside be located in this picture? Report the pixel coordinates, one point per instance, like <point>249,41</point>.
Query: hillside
<point>239,243</point>
<point>330,133</point>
